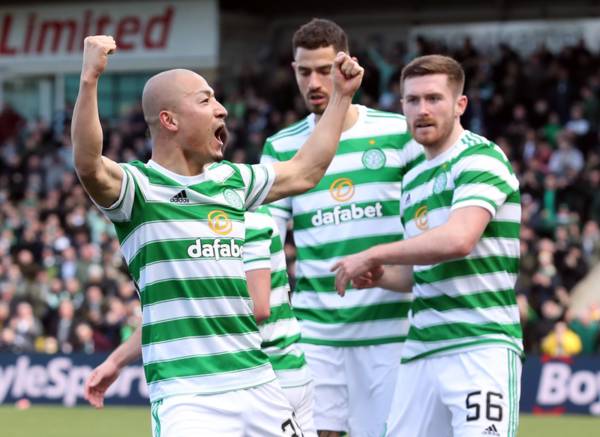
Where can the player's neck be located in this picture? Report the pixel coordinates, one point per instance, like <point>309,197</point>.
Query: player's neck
<point>174,159</point>
<point>350,119</point>
<point>434,150</point>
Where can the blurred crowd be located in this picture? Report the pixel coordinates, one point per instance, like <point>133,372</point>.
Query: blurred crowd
<point>65,288</point>
<point>63,284</point>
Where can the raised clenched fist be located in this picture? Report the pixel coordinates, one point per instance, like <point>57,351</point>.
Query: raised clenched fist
<point>95,55</point>
<point>347,74</point>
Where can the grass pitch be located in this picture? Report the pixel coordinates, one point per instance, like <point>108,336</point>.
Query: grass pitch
<point>46,421</point>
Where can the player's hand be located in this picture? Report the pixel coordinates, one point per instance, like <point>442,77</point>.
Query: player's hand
<point>349,268</point>
<point>95,55</point>
<point>368,279</point>
<point>98,382</point>
<point>347,74</point>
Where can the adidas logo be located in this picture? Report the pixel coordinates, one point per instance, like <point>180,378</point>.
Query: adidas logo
<point>491,430</point>
<point>180,197</point>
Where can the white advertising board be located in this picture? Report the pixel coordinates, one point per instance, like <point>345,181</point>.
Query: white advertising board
<point>149,35</point>
<point>523,36</point>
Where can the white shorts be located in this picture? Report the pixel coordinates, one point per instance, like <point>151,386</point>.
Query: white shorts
<point>353,386</point>
<point>302,401</point>
<point>255,412</point>
<point>474,393</point>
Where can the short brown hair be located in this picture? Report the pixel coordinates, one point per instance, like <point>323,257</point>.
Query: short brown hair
<point>318,33</point>
<point>435,64</point>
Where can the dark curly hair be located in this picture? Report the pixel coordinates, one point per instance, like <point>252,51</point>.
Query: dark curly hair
<point>318,33</point>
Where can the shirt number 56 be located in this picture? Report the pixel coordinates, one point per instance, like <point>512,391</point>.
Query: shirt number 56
<point>493,411</point>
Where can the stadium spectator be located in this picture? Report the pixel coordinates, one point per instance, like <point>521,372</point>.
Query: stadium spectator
<point>567,160</point>
<point>7,341</point>
<point>11,123</point>
<point>590,243</point>
<point>88,340</point>
<point>25,327</point>
<point>63,327</point>
<point>4,314</point>
<point>114,321</point>
<point>561,342</point>
<point>93,306</point>
<point>586,324</point>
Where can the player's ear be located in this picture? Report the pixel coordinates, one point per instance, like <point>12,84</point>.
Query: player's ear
<point>168,121</point>
<point>461,104</point>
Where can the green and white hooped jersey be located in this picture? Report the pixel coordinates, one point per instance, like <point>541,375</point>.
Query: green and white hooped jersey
<point>182,238</point>
<point>465,303</point>
<point>281,331</point>
<point>354,207</point>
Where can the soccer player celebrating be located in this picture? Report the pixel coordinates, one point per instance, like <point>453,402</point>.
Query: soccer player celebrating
<point>266,274</point>
<point>461,214</point>
<point>352,345</point>
<point>180,222</point>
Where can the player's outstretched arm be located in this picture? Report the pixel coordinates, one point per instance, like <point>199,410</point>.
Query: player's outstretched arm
<point>394,278</point>
<point>307,167</point>
<point>455,239</point>
<point>106,373</point>
<point>100,176</point>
